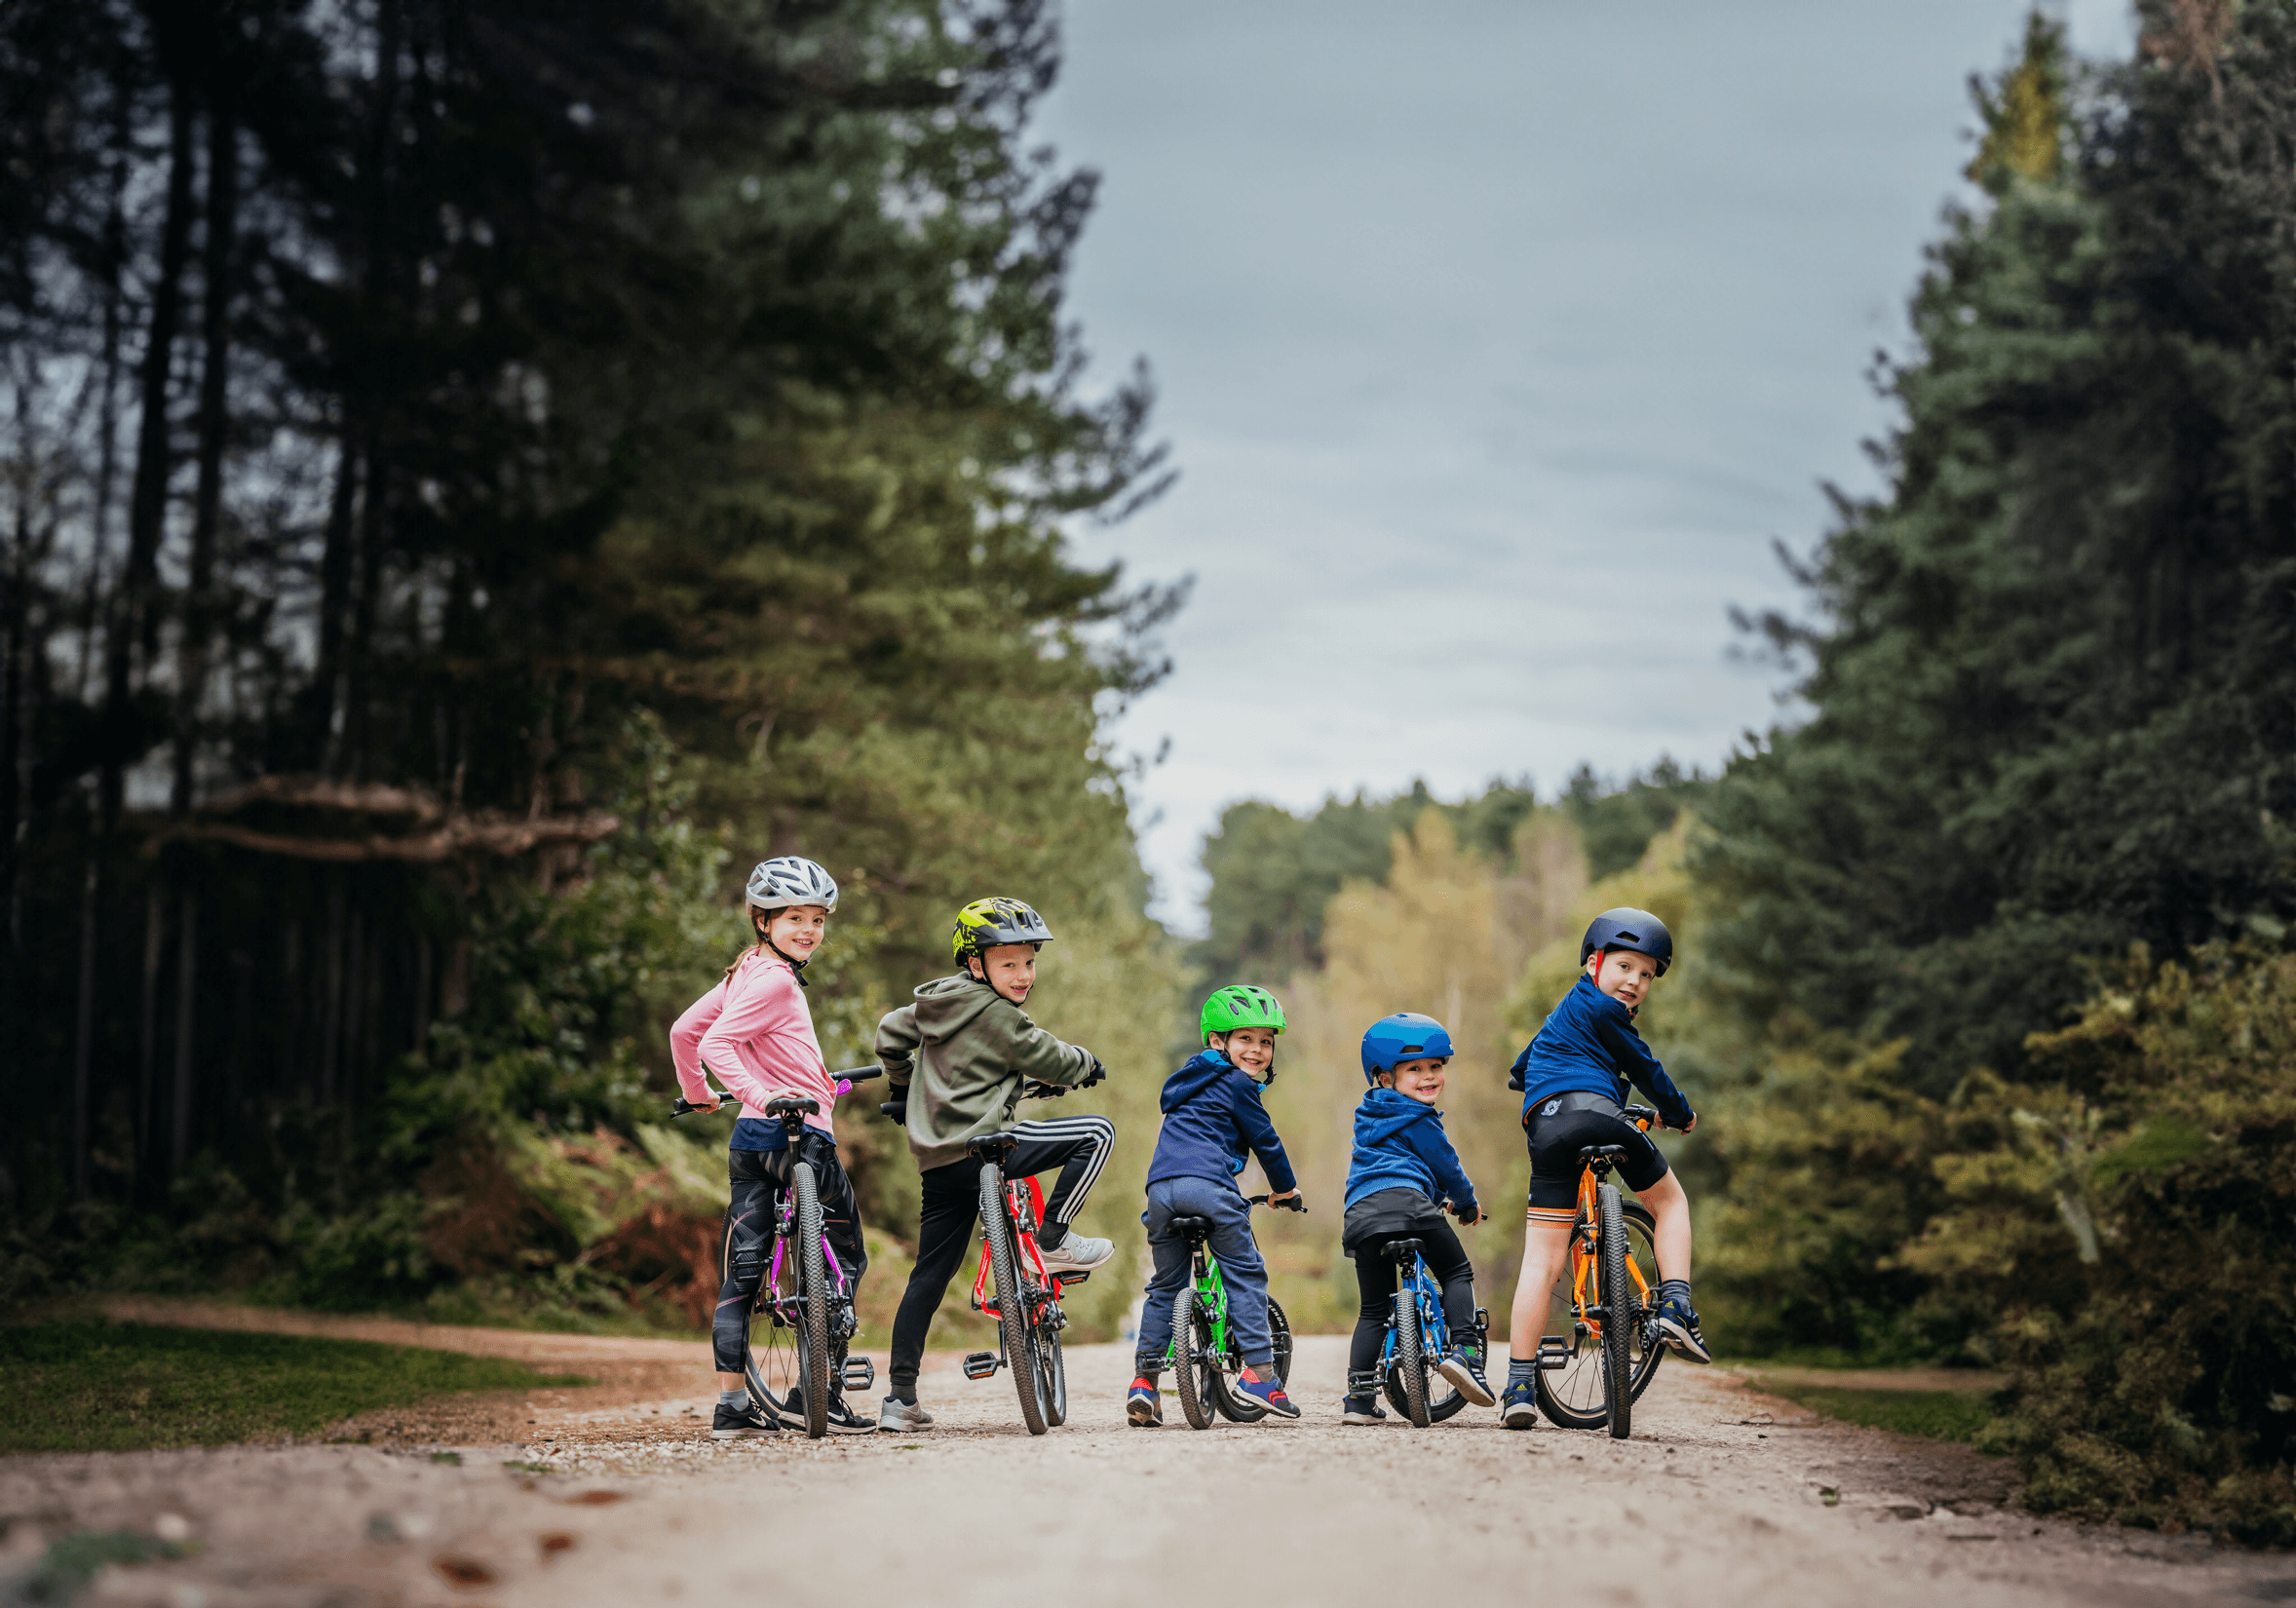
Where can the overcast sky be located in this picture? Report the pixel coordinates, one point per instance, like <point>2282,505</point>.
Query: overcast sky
<point>1497,340</point>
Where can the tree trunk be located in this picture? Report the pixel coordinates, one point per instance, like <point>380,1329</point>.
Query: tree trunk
<point>214,425</point>
<point>186,996</point>
<point>154,923</point>
<point>84,1024</point>
<point>148,507</point>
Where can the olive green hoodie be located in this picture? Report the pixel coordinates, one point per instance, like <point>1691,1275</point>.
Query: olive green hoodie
<point>959,1056</point>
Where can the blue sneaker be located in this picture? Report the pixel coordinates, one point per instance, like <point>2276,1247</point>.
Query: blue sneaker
<point>1143,1409</point>
<point>1465,1371</point>
<point>1268,1393</point>
<point>1678,1326</point>
<point>1518,1405</point>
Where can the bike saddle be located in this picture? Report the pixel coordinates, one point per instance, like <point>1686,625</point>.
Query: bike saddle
<point>992,1147</point>
<point>1188,1225</point>
<point>1403,1250</point>
<point>784,1106</point>
<point>1608,1151</point>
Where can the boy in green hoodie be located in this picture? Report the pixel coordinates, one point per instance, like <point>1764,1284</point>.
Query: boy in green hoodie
<point>960,1059</point>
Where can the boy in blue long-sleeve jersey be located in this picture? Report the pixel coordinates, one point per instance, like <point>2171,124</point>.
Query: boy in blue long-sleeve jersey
<point>1574,1078</point>
<point>1212,1116</point>
<point>1400,1171</point>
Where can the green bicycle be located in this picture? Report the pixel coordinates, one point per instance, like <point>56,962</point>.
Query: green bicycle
<point>1200,1317</point>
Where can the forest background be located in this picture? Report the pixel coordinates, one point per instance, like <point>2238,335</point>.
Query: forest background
<point>477,477</point>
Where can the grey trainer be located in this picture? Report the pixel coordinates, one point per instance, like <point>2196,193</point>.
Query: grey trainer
<point>897,1417</point>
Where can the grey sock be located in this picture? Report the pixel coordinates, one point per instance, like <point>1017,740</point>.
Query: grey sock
<point>1520,1369</point>
<point>906,1395</point>
<point>738,1400</point>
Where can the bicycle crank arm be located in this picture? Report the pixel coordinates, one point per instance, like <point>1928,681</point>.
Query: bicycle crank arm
<point>981,1365</point>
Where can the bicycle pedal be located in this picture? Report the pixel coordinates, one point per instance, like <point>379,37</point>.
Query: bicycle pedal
<point>980,1364</point>
<point>860,1373</point>
<point>1553,1352</point>
<point>1066,1279</point>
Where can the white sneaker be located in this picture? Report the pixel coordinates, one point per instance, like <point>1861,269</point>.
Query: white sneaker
<point>1079,1254</point>
<point>897,1417</point>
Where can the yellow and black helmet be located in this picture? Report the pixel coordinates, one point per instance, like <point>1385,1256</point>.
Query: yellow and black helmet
<point>985,923</point>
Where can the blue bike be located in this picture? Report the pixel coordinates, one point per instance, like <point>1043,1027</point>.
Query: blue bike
<point>1418,1339</point>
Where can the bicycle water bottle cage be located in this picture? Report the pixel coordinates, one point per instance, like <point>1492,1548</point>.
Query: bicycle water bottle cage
<point>1403,1250</point>
<point>1189,1227</point>
<point>992,1147</point>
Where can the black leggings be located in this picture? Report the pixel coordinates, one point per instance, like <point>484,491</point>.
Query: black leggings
<point>1375,1280</point>
<point>759,1179</point>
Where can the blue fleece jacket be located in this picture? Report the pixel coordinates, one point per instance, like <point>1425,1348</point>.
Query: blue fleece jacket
<point>1588,1046</point>
<point>1400,1144</point>
<point>1212,1116</point>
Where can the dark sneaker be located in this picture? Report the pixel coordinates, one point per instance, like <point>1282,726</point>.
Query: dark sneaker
<point>898,1417</point>
<point>1678,1327</point>
<point>1517,1407</point>
<point>842,1419</point>
<point>1362,1409</point>
<point>741,1423</point>
<point>1466,1374</point>
<point>1268,1393</point>
<point>1143,1409</point>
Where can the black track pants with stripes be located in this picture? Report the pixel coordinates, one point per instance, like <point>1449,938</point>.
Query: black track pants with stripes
<point>1078,1146</point>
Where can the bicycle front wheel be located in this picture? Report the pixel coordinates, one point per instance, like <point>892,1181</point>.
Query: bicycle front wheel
<point>1014,1328</point>
<point>1622,1311</point>
<point>813,1301</point>
<point>1575,1395</point>
<point>1411,1358</point>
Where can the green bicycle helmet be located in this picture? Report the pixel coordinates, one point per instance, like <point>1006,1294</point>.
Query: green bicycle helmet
<point>1240,1006</point>
<point>986,922</point>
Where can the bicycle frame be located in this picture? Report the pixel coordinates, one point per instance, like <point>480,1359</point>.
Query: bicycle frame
<point>1211,1288</point>
<point>1583,1248</point>
<point>1024,1203</point>
<point>1434,1335</point>
<point>772,1299</point>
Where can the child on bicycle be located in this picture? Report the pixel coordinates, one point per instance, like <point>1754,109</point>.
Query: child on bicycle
<point>1212,1116</point>
<point>1399,1173</point>
<point>960,1058</point>
<point>1574,1078</point>
<point>754,1031</point>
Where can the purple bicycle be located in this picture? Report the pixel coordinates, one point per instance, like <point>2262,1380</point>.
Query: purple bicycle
<point>806,1294</point>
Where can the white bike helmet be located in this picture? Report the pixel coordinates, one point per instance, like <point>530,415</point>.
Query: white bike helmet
<point>777,884</point>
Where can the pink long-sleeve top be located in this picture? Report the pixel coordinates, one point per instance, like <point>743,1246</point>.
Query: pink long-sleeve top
<point>754,1033</point>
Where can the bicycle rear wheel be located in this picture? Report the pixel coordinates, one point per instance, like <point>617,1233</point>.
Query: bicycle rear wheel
<point>1193,1367</point>
<point>1014,1328</point>
<point>1574,1395</point>
<point>1237,1406</point>
<point>1052,1370</point>
<point>1411,1358</point>
<point>1622,1311</point>
<point>813,1301</point>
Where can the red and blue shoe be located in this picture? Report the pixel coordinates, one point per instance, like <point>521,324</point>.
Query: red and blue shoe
<point>1268,1393</point>
<point>1143,1409</point>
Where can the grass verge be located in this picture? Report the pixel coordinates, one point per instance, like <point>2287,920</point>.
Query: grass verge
<point>1938,1415</point>
<point>88,1387</point>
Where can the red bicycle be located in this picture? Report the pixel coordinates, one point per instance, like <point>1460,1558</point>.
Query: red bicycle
<point>1015,1288</point>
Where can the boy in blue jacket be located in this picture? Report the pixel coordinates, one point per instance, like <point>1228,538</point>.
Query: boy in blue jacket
<point>1402,1170</point>
<point>1212,1116</point>
<point>1574,1078</point>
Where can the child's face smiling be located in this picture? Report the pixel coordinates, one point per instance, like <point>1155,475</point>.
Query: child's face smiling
<point>1622,974</point>
<point>797,930</point>
<point>1422,1080</point>
<point>1010,968</point>
<point>1251,1051</point>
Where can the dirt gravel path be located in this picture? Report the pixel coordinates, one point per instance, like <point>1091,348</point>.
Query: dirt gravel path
<point>1722,1497</point>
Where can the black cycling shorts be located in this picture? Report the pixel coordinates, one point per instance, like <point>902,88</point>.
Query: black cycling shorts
<point>1560,1127</point>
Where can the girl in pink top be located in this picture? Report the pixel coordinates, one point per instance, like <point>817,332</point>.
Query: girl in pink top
<point>754,1033</point>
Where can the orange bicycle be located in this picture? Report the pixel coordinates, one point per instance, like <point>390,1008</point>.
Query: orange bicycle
<point>1592,1377</point>
<point>1016,1289</point>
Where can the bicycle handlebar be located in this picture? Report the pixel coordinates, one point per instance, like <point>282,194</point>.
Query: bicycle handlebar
<point>1296,1203</point>
<point>844,1080</point>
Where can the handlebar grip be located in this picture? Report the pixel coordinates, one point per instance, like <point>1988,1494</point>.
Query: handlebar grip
<point>1296,1203</point>
<point>857,1074</point>
<point>681,1106</point>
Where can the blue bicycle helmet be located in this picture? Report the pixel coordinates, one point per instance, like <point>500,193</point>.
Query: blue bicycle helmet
<point>1405,1036</point>
<point>1627,928</point>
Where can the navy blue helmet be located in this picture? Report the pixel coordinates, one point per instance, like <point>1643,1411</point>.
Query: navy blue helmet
<point>1627,928</point>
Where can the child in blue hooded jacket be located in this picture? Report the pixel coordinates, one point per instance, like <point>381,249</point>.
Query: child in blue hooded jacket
<point>1402,1170</point>
<point>1212,1116</point>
